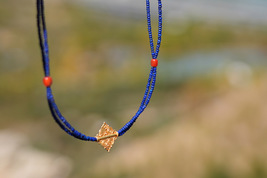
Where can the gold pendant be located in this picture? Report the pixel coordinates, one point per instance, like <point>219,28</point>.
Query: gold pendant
<point>107,136</point>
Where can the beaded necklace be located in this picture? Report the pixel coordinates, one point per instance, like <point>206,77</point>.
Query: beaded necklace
<point>106,135</point>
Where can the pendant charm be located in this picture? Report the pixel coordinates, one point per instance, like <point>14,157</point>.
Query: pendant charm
<point>106,136</point>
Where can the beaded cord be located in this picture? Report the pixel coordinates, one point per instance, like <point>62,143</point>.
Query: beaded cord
<point>58,117</point>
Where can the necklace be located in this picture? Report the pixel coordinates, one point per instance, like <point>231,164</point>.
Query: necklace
<point>106,135</point>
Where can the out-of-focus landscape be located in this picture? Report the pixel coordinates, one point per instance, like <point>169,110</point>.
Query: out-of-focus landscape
<point>206,119</point>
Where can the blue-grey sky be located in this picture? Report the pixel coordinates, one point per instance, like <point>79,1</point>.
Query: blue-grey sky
<point>225,11</point>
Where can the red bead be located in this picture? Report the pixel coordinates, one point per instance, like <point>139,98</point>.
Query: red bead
<point>47,81</point>
<point>154,62</point>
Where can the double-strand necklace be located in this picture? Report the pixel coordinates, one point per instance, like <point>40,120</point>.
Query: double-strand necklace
<point>106,135</point>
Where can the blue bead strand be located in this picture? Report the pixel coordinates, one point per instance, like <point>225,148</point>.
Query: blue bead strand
<point>147,96</point>
<point>153,73</point>
<point>154,53</point>
<point>149,28</point>
<point>159,28</point>
<point>60,120</point>
<point>58,117</point>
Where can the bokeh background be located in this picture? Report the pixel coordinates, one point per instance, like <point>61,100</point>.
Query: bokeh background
<point>207,117</point>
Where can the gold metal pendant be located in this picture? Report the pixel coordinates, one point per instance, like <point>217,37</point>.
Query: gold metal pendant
<point>107,136</point>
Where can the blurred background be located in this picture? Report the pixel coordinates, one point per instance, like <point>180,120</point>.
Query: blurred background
<point>207,117</point>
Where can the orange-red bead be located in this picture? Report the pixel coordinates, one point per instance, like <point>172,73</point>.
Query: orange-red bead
<point>47,81</point>
<point>154,62</point>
